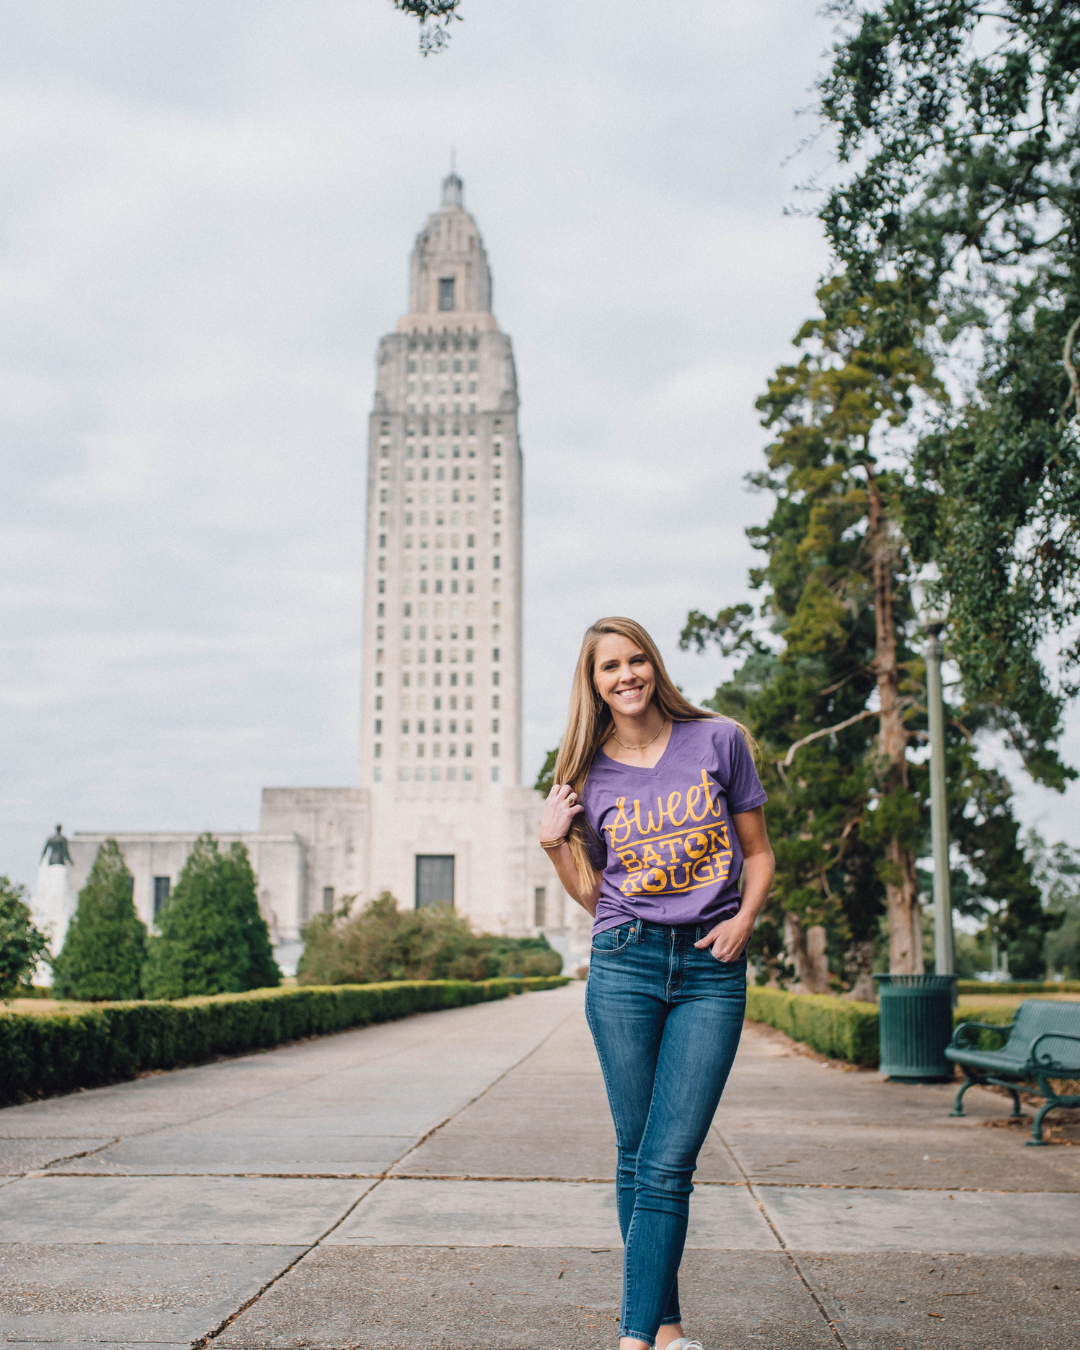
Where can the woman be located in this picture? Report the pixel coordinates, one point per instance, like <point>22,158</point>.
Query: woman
<point>655,814</point>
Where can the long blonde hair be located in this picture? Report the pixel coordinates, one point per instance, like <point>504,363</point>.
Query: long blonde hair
<point>590,723</point>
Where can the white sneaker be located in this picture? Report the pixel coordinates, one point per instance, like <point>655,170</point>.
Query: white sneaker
<point>684,1343</point>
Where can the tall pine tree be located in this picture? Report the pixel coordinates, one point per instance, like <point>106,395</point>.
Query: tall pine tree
<point>836,704</point>
<point>212,938</point>
<point>961,120</point>
<point>955,230</point>
<point>105,946</point>
<point>834,690</point>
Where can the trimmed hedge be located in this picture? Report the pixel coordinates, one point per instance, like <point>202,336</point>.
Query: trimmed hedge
<point>1018,987</point>
<point>845,1030</point>
<point>50,1052</point>
<point>831,1026</point>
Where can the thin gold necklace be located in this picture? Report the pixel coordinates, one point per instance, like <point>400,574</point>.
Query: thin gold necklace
<point>663,724</point>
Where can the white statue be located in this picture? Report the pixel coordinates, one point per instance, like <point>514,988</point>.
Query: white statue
<point>53,903</point>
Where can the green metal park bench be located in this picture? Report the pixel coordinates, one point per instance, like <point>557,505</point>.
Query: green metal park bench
<point>1043,1043</point>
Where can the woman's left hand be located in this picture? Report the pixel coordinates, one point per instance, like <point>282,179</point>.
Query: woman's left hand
<point>729,938</point>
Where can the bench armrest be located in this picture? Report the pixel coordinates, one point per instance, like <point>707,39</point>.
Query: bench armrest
<point>1050,1063</point>
<point>959,1041</point>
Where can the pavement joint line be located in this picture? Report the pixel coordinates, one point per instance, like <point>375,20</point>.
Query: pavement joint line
<point>206,1340</point>
<point>472,1176</point>
<point>68,1157</point>
<point>780,1241</point>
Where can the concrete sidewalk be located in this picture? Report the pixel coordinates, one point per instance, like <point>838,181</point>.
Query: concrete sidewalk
<point>446,1181</point>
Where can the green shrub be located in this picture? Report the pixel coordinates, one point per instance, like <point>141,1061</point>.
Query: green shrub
<point>524,956</point>
<point>50,1052</point>
<point>105,946</point>
<point>382,942</point>
<point>21,944</point>
<point>213,940</point>
<point>831,1026</point>
<point>847,1030</point>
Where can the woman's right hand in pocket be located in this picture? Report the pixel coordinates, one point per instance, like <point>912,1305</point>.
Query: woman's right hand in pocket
<point>561,807</point>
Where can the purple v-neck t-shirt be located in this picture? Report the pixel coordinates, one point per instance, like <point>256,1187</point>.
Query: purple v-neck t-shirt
<point>669,852</point>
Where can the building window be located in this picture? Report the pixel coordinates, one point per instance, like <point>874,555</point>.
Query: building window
<point>539,906</point>
<point>446,292</point>
<point>162,886</point>
<point>328,899</point>
<point>434,879</point>
<point>495,774</point>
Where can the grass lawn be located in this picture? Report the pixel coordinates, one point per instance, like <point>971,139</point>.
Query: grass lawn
<point>1009,1000</point>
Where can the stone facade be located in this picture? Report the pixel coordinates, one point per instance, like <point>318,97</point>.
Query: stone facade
<point>440,766</point>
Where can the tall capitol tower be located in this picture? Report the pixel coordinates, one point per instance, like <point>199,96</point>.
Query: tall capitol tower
<point>439,814</point>
<point>442,612</point>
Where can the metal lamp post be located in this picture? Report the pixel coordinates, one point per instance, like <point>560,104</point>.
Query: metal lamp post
<point>916,1011</point>
<point>944,947</point>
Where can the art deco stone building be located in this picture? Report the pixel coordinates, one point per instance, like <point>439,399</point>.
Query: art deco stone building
<point>440,813</point>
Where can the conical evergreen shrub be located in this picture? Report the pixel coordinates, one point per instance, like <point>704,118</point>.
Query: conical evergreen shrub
<point>105,946</point>
<point>242,901</point>
<point>213,940</point>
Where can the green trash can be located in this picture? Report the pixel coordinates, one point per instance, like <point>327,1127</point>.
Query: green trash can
<point>916,1024</point>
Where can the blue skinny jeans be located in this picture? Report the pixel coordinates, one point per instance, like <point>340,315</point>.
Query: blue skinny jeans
<point>666,1020</point>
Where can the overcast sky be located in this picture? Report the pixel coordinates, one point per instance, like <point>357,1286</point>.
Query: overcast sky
<point>208,212</point>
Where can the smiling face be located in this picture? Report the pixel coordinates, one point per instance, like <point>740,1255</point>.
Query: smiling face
<point>624,675</point>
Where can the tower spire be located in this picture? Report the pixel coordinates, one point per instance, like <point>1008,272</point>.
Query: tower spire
<point>453,189</point>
